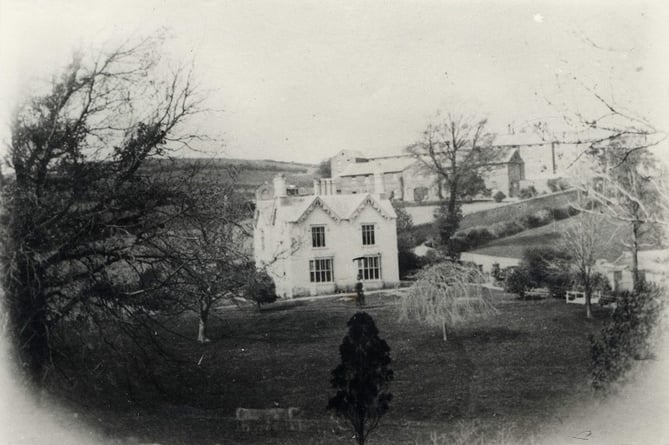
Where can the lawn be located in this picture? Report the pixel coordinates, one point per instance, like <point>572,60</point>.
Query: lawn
<point>515,371</point>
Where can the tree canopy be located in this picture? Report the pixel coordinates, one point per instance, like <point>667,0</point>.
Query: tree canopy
<point>83,209</point>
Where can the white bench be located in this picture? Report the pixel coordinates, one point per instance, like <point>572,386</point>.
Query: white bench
<point>576,297</point>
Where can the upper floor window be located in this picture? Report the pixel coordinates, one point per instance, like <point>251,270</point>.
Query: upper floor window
<point>317,236</point>
<point>368,235</point>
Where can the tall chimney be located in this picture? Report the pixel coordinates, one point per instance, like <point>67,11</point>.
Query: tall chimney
<point>279,186</point>
<point>378,182</point>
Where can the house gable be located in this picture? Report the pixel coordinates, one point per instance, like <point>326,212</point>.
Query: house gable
<point>369,201</point>
<point>318,203</point>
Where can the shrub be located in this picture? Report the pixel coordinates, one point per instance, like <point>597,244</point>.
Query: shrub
<point>408,262</point>
<point>538,260</point>
<point>260,288</point>
<point>558,284</point>
<point>536,219</point>
<point>472,237</point>
<point>528,192</point>
<point>557,184</point>
<point>627,336</point>
<point>499,196</point>
<point>505,228</point>
<point>517,281</point>
<point>362,378</point>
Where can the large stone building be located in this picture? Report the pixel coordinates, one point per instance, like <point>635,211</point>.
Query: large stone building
<point>321,243</point>
<point>408,179</point>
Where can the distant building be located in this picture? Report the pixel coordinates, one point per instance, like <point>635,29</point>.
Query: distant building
<point>342,160</point>
<point>653,267</point>
<point>320,243</point>
<point>407,178</point>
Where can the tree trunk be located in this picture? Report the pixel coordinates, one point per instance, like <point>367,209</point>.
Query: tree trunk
<point>636,281</point>
<point>28,320</point>
<point>453,197</point>
<point>444,331</point>
<point>359,427</point>
<point>202,327</point>
<point>588,304</point>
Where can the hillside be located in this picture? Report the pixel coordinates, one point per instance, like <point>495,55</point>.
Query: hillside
<point>611,235</point>
<point>250,172</point>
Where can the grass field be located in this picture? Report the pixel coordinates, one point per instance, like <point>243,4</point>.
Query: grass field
<point>511,373</point>
<point>610,235</point>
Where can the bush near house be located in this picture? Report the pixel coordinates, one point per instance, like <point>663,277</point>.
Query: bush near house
<point>528,192</point>
<point>260,288</point>
<point>517,281</point>
<point>499,196</point>
<point>557,184</point>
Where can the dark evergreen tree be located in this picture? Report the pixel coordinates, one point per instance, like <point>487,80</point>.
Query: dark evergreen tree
<point>362,378</point>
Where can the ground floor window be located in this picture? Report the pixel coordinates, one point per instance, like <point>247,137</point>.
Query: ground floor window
<point>369,267</point>
<point>320,270</point>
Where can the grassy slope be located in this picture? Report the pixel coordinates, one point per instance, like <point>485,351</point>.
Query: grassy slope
<point>610,236</point>
<point>251,173</point>
<point>520,368</point>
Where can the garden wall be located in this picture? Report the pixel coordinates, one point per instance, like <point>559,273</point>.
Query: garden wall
<point>519,209</point>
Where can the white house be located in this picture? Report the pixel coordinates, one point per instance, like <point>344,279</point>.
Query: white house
<point>321,243</point>
<point>653,267</point>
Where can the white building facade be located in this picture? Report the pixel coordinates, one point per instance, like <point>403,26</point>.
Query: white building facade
<point>321,243</point>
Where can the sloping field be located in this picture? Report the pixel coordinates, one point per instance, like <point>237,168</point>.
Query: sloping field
<point>611,235</point>
<point>250,173</point>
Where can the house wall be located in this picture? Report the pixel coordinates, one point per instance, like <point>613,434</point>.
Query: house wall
<point>505,177</point>
<point>486,261</point>
<point>271,248</point>
<point>392,183</point>
<point>415,177</point>
<point>341,160</point>
<point>343,242</point>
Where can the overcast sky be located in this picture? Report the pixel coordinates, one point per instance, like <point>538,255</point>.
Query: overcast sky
<point>302,80</point>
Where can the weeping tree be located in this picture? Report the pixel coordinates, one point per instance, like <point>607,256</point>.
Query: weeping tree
<point>445,295</point>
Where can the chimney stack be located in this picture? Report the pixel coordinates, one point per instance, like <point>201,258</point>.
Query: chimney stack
<point>279,186</point>
<point>378,182</point>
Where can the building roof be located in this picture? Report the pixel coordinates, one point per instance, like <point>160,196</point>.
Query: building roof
<point>339,207</point>
<point>383,165</point>
<point>398,164</point>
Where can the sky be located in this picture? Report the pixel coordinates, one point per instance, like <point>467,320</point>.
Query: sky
<point>299,81</point>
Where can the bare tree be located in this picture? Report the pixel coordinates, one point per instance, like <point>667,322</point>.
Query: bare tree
<point>444,295</point>
<point>456,149</point>
<point>582,245</point>
<point>628,182</point>
<point>84,203</point>
<point>629,187</point>
<point>208,247</point>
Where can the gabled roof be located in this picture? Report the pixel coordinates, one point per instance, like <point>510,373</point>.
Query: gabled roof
<point>339,207</point>
<point>508,154</point>
<point>382,165</point>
